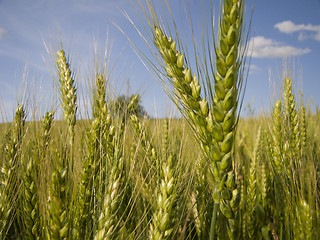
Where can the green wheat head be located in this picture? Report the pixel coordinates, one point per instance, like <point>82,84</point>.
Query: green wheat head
<point>68,92</point>
<point>10,176</point>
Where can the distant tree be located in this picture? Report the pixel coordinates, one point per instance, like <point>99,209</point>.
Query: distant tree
<point>121,105</point>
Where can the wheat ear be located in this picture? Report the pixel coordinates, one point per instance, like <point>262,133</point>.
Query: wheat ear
<point>68,96</point>
<point>59,212</point>
<point>277,137</point>
<point>33,218</point>
<point>162,224</point>
<point>46,128</point>
<point>31,208</point>
<point>187,86</point>
<point>10,181</point>
<point>227,84</point>
<point>93,175</point>
<point>109,222</point>
<point>291,119</point>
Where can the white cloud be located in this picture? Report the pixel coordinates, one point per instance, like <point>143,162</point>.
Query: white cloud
<point>254,67</point>
<point>317,36</point>
<point>303,36</point>
<point>261,47</point>
<point>3,32</point>
<point>290,27</point>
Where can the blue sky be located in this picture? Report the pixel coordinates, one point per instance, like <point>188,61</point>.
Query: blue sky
<point>286,29</point>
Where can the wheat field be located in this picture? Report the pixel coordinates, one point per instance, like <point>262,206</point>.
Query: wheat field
<point>210,174</point>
